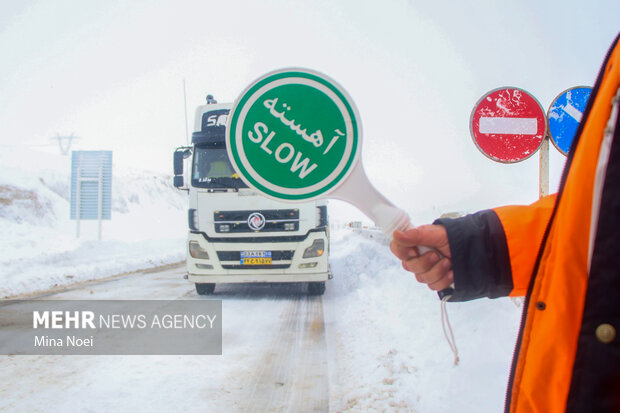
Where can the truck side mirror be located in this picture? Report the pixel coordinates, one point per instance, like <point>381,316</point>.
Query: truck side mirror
<point>178,163</point>
<point>181,153</point>
<point>178,181</point>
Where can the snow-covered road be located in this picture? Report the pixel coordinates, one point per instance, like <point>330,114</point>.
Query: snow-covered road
<point>373,342</point>
<point>274,357</point>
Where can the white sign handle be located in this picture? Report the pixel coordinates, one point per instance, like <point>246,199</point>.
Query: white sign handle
<point>358,191</point>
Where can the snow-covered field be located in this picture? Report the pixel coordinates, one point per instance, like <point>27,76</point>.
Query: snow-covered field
<point>39,248</point>
<point>385,346</point>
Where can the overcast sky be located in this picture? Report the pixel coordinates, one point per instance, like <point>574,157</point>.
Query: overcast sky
<point>112,73</point>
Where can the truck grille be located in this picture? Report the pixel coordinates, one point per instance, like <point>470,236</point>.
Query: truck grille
<point>275,220</point>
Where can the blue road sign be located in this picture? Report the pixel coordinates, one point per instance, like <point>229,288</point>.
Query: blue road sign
<point>564,116</point>
<point>91,185</point>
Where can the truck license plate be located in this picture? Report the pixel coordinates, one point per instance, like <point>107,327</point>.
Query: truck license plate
<point>255,257</point>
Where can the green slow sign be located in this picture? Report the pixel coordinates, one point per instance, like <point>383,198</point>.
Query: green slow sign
<point>294,134</point>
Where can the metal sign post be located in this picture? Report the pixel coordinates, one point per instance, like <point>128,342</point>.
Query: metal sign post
<point>543,170</point>
<point>91,187</point>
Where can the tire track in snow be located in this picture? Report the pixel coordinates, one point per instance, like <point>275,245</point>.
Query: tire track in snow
<point>293,375</point>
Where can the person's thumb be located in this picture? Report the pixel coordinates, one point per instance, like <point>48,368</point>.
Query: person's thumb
<point>434,236</point>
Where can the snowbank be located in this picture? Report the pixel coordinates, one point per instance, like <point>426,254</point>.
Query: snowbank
<point>387,349</point>
<point>39,248</point>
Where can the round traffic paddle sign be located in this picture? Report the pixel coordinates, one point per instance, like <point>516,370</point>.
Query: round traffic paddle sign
<point>508,124</point>
<point>294,134</point>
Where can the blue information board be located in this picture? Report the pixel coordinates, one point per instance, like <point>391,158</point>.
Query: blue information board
<point>91,185</point>
<point>564,116</point>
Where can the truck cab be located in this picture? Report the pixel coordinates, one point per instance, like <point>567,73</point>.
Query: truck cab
<point>236,235</point>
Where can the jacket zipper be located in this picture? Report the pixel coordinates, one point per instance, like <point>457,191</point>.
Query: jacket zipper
<point>569,161</point>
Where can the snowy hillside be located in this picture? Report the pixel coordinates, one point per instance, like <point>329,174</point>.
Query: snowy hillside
<point>39,248</point>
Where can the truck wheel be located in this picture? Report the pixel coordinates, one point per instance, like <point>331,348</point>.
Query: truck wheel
<point>315,288</point>
<point>205,289</point>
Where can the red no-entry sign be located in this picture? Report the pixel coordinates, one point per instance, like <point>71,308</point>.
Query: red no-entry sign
<point>508,124</point>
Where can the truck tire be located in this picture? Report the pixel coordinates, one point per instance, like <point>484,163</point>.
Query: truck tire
<point>315,288</point>
<point>205,289</point>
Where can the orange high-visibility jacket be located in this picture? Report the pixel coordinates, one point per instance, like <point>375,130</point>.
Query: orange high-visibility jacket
<point>563,254</point>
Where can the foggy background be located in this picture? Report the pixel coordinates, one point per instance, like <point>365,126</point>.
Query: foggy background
<point>112,74</point>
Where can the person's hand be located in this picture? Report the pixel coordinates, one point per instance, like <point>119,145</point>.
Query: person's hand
<point>429,268</point>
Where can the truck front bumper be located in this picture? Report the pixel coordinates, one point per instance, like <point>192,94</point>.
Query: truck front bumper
<point>223,264</point>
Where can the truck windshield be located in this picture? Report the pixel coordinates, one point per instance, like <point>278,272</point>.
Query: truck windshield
<point>212,169</point>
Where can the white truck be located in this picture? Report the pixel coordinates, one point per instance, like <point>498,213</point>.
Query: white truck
<point>236,235</point>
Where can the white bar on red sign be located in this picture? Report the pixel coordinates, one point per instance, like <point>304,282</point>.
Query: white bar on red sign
<point>509,126</point>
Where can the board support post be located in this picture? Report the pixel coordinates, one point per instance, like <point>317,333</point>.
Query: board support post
<point>543,168</point>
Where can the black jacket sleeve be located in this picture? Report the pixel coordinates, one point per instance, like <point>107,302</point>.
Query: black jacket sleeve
<point>480,259</point>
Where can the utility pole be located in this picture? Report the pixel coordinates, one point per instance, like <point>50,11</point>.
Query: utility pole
<point>64,142</point>
<point>185,106</point>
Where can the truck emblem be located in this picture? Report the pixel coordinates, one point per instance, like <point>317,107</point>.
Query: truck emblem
<point>256,221</point>
<point>221,120</point>
<point>217,120</point>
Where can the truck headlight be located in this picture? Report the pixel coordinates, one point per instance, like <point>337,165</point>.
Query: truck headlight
<point>197,252</point>
<point>223,228</point>
<point>289,226</point>
<point>315,250</point>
